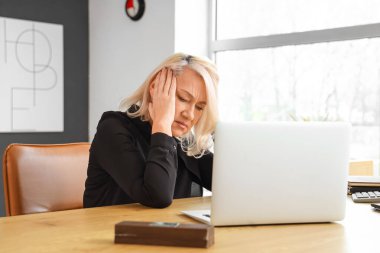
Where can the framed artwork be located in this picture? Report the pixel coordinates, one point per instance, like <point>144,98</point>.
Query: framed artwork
<point>31,76</point>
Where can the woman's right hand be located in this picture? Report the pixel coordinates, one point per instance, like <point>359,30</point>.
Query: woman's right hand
<point>162,106</point>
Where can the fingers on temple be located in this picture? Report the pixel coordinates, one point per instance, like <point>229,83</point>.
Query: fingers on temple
<point>173,86</point>
<point>165,82</point>
<point>161,80</point>
<point>168,82</point>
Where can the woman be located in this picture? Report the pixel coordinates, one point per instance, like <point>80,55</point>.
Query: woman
<point>156,148</point>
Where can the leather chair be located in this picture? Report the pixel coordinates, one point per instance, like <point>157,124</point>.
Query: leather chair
<point>42,178</point>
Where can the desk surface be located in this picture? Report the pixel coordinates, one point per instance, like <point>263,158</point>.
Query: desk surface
<point>92,230</point>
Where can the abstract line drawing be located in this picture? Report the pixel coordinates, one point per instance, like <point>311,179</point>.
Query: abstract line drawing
<point>31,76</point>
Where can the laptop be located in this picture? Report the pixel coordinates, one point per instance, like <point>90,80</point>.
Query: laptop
<point>273,173</point>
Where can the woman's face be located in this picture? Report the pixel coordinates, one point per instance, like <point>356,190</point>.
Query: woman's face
<point>190,101</point>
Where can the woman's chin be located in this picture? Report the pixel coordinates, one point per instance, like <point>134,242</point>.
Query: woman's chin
<point>178,132</point>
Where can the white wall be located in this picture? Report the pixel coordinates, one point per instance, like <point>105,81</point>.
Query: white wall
<point>124,52</point>
<point>191,26</point>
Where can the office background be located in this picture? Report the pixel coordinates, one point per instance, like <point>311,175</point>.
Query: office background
<point>107,56</point>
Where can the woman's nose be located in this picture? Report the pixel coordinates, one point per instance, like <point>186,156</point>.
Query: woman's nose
<point>188,113</point>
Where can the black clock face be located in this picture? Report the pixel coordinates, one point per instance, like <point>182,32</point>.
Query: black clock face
<point>135,9</point>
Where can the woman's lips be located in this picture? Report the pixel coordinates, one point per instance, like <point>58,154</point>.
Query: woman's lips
<point>182,125</point>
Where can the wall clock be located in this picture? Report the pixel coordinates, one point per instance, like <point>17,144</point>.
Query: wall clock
<point>135,9</point>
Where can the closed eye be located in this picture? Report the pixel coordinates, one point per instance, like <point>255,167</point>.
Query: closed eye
<point>199,108</point>
<point>182,99</point>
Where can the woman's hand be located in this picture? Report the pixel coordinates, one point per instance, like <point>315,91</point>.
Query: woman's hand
<point>162,107</point>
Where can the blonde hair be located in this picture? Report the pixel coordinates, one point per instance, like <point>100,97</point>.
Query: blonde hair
<point>199,140</point>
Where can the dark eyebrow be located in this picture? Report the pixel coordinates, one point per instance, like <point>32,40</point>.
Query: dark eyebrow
<point>189,94</point>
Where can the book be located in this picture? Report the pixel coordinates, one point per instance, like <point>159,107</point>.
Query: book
<point>364,181</point>
<point>363,184</point>
<point>363,189</point>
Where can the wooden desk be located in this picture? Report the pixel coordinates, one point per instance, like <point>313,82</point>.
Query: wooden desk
<point>92,230</point>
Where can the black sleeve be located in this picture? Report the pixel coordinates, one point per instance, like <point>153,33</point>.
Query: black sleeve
<point>149,182</point>
<point>205,168</point>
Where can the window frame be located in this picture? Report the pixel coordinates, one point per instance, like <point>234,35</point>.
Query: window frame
<point>286,39</point>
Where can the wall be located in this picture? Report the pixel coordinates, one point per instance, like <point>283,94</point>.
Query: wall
<point>73,14</point>
<point>192,31</point>
<point>123,52</point>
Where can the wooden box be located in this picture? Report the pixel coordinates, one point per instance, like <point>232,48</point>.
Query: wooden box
<point>164,233</point>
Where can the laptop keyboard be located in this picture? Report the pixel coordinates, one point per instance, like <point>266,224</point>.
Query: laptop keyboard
<point>366,197</point>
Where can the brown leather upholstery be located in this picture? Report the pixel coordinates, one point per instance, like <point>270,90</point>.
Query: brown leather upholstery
<point>41,178</point>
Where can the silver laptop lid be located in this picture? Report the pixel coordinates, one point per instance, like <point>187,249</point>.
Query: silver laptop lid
<point>284,172</point>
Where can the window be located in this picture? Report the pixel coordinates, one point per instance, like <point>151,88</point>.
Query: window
<point>302,60</point>
<point>247,18</point>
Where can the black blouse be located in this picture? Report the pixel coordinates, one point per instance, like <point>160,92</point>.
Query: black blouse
<point>128,164</point>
